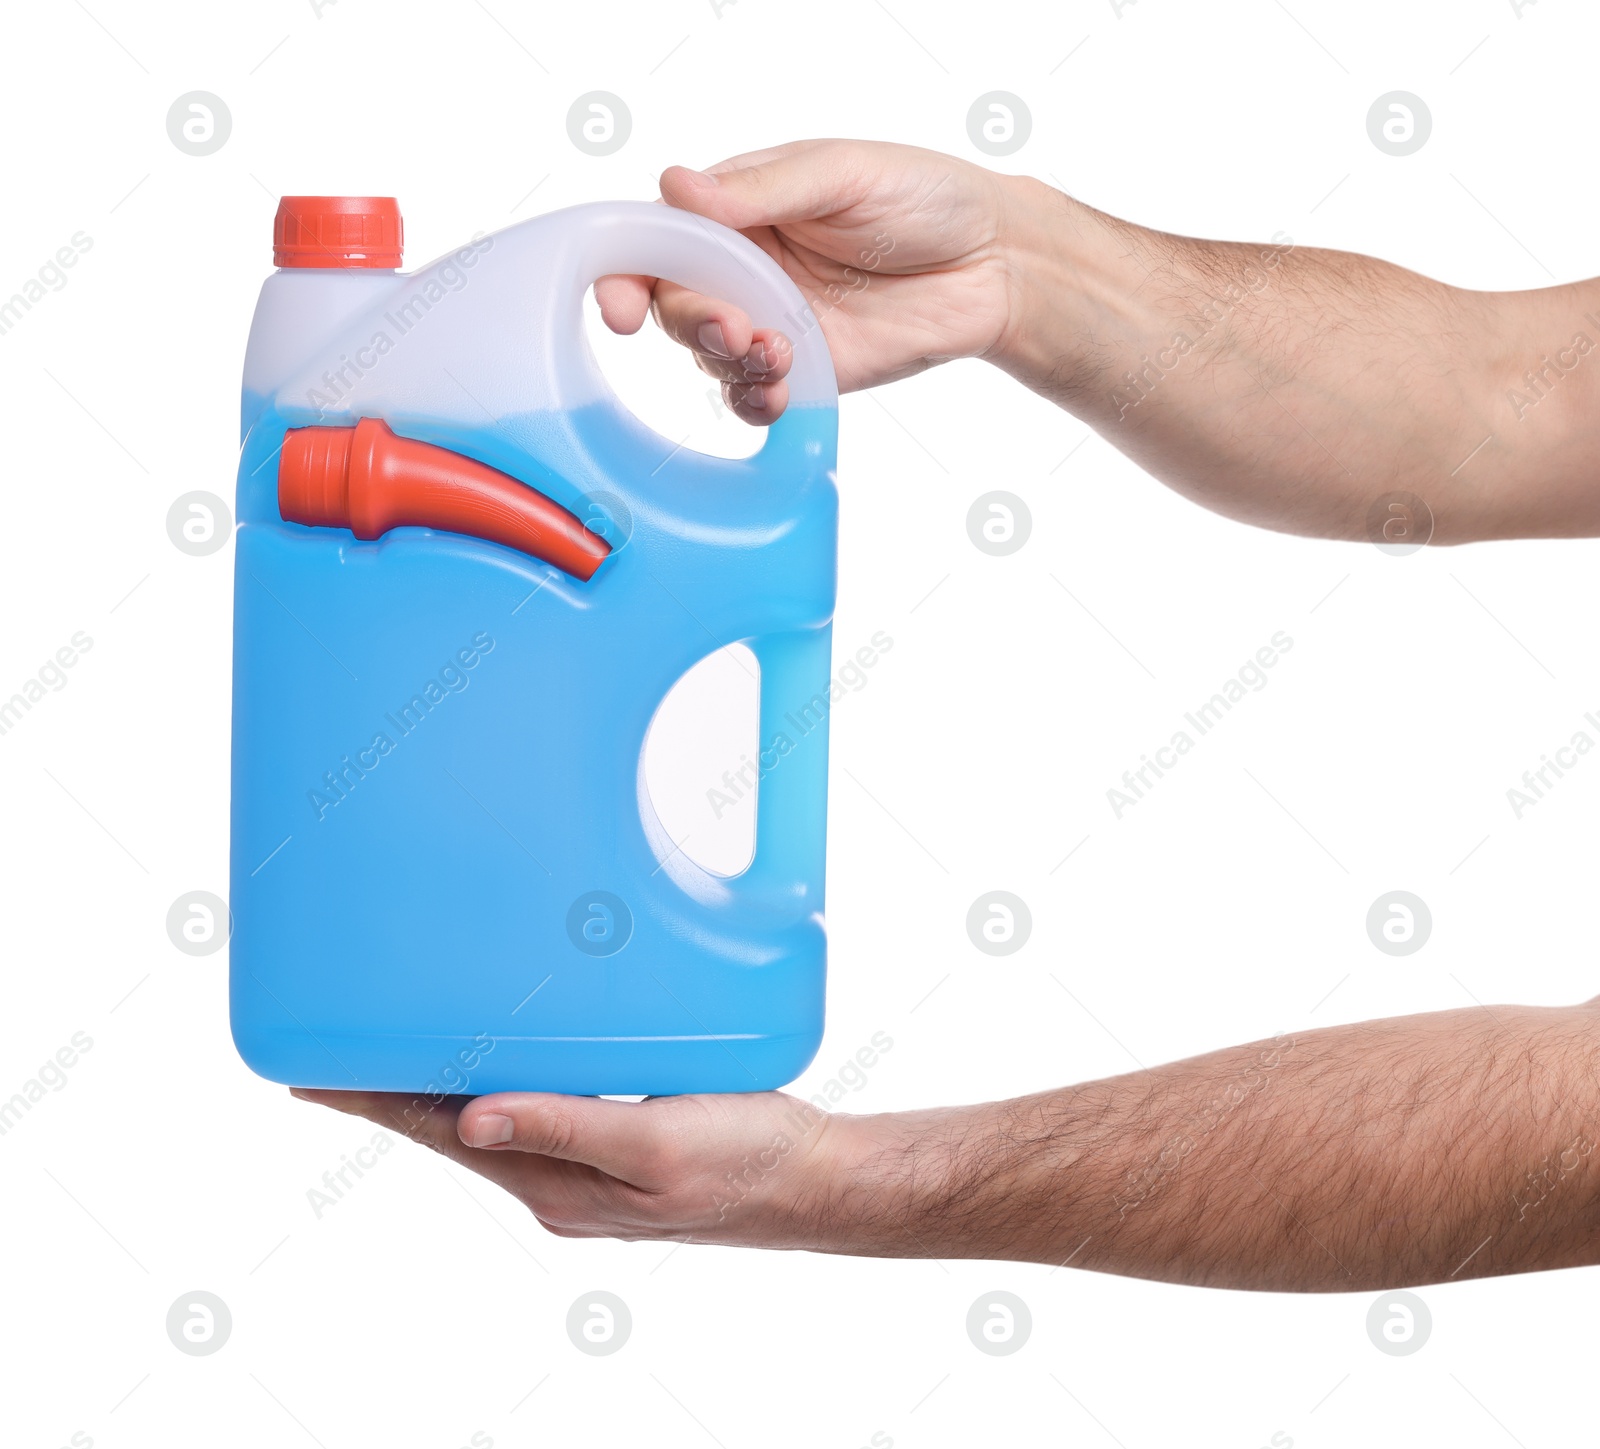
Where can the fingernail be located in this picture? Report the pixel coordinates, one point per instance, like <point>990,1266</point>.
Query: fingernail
<point>491,1129</point>
<point>702,178</point>
<point>711,338</point>
<point>756,397</point>
<point>756,359</point>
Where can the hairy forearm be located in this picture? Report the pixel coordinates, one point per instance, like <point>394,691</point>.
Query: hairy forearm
<point>1295,388</point>
<point>1412,1150</point>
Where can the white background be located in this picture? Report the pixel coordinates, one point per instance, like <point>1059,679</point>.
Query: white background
<point>426,1305</point>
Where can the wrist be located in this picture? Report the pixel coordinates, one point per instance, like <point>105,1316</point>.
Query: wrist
<point>866,1184</point>
<point>909,1185</point>
<point>998,1180</point>
<point>1073,279</point>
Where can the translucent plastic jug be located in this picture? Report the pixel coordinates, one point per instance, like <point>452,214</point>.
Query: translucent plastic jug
<point>447,875</point>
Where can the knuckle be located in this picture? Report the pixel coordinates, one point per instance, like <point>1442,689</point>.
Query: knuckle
<point>553,1135</point>
<point>669,1159</point>
<point>661,1163</point>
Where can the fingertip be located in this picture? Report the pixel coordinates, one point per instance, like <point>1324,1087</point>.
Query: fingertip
<point>758,403</point>
<point>467,1119</point>
<point>738,332</point>
<point>712,341</point>
<point>624,302</point>
<point>487,1129</point>
<point>681,183</point>
<point>704,325</point>
<point>771,355</point>
<point>494,1120</point>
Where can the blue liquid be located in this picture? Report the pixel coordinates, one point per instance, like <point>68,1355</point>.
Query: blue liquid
<point>446,873</point>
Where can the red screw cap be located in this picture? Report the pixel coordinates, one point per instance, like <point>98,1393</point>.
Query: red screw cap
<point>337,231</point>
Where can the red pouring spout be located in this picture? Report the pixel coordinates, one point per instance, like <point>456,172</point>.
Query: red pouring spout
<point>368,480</point>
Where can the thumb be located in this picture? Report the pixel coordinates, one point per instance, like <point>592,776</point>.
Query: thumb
<point>767,188</point>
<point>622,1139</point>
